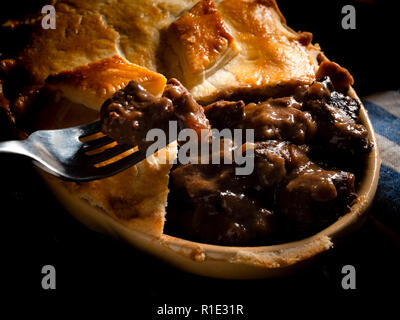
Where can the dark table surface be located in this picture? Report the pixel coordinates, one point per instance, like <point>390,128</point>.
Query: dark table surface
<point>92,267</point>
<point>103,274</point>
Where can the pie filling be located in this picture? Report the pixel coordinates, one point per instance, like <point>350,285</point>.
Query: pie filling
<point>309,152</point>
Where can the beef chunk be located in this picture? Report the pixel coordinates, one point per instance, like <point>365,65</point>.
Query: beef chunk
<point>337,117</point>
<point>314,199</point>
<point>279,119</point>
<point>274,160</point>
<point>225,114</point>
<point>188,112</point>
<point>131,112</point>
<point>218,207</point>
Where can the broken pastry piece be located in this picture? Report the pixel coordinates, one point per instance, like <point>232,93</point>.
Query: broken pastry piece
<point>136,197</point>
<point>219,49</point>
<point>340,77</point>
<point>272,58</point>
<point>202,42</point>
<point>95,82</point>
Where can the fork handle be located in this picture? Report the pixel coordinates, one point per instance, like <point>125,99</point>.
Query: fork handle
<point>14,147</point>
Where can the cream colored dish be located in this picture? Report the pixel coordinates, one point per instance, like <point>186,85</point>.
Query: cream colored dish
<point>233,262</point>
<point>216,51</point>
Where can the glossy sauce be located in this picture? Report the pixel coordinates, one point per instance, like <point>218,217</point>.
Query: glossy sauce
<point>298,186</point>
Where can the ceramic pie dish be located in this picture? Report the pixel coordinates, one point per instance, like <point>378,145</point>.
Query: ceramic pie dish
<point>217,52</point>
<point>231,262</point>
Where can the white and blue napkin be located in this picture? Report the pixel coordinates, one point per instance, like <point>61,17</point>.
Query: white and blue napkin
<point>384,112</point>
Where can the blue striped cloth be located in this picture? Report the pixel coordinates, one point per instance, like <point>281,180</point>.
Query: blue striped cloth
<point>384,111</point>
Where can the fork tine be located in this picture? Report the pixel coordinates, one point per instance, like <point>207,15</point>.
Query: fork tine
<point>109,153</point>
<point>97,143</point>
<point>89,129</point>
<point>120,165</point>
<point>71,163</point>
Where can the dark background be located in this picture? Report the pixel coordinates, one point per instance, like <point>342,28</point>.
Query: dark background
<point>103,275</point>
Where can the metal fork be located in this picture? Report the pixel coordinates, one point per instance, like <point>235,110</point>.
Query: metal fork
<point>66,154</point>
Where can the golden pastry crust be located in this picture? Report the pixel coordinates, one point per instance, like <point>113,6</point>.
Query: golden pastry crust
<point>136,197</point>
<point>99,45</point>
<point>79,38</point>
<point>270,53</point>
<point>341,77</point>
<point>87,31</point>
<point>94,83</point>
<point>202,41</point>
<point>286,257</point>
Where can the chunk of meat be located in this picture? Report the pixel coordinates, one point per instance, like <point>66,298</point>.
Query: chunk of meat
<point>188,112</point>
<point>276,119</point>
<point>337,117</point>
<point>218,209</point>
<point>314,199</point>
<point>131,112</point>
<point>225,114</point>
<point>223,208</point>
<point>307,196</point>
<point>274,160</point>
